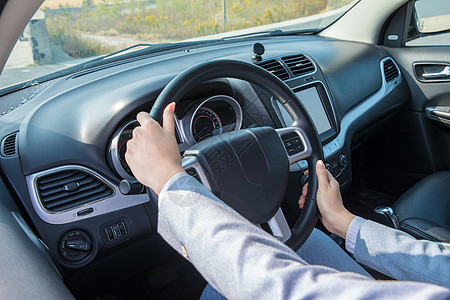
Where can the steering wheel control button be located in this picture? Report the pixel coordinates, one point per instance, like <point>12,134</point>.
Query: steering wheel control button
<point>193,173</point>
<point>293,144</point>
<point>76,246</point>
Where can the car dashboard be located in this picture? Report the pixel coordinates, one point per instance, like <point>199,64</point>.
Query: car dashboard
<point>64,141</point>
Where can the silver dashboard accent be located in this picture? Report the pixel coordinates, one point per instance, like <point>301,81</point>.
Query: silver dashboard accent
<point>184,125</point>
<point>116,202</point>
<point>304,139</point>
<point>114,150</point>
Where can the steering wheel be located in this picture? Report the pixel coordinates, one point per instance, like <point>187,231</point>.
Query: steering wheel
<point>248,169</point>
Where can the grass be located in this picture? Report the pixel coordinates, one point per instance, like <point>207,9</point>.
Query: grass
<point>158,21</point>
<point>54,4</point>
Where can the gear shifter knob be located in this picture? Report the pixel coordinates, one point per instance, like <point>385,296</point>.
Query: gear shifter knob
<point>385,215</point>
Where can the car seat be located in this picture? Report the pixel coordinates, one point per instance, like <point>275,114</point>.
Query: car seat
<point>424,210</point>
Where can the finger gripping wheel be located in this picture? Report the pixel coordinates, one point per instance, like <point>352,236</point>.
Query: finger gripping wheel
<point>203,72</point>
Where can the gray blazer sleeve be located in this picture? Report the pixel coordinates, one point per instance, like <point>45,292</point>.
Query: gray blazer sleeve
<point>243,262</point>
<point>398,254</point>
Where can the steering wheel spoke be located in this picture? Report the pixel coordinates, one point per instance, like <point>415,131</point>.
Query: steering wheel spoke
<point>296,143</point>
<point>192,167</point>
<point>279,226</point>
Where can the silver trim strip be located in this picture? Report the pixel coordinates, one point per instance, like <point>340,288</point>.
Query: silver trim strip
<point>115,202</point>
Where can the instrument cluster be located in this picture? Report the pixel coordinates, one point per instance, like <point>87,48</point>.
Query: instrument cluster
<point>213,116</point>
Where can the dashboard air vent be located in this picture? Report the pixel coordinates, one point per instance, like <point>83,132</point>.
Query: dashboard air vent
<point>390,70</point>
<point>9,145</point>
<point>298,64</point>
<point>275,67</point>
<point>66,189</point>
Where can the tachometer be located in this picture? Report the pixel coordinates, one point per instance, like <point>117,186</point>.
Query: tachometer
<point>206,123</point>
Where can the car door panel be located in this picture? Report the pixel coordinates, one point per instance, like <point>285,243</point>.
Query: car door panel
<point>416,143</point>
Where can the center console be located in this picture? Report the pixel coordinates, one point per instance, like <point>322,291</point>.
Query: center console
<point>317,102</point>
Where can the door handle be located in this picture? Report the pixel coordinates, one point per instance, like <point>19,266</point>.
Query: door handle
<point>444,74</point>
<point>432,72</point>
<point>440,114</point>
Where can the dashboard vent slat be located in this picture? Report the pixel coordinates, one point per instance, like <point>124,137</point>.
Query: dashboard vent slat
<point>67,189</point>
<point>298,64</point>
<point>9,145</point>
<point>276,68</point>
<point>390,70</point>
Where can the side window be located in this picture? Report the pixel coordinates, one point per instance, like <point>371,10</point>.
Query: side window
<point>430,23</point>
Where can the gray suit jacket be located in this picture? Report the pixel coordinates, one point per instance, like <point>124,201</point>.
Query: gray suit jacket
<point>242,261</point>
<point>398,254</point>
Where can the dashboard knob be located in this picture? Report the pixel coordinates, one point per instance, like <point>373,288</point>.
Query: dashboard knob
<point>75,246</point>
<point>343,160</point>
<point>130,186</point>
<point>304,180</point>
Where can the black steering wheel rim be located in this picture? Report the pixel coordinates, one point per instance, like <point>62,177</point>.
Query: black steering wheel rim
<point>203,72</point>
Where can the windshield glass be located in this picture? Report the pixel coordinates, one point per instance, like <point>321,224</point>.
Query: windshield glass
<point>67,33</point>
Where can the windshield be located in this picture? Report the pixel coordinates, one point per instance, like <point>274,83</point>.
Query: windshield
<point>67,33</point>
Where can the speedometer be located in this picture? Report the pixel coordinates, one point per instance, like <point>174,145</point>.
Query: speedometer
<point>206,123</point>
<point>208,117</point>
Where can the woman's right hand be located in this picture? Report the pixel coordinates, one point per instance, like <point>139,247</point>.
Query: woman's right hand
<point>334,216</point>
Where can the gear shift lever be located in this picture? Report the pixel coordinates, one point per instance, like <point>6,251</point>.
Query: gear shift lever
<point>385,215</point>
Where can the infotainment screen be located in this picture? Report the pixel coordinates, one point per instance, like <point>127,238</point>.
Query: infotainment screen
<point>312,102</point>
